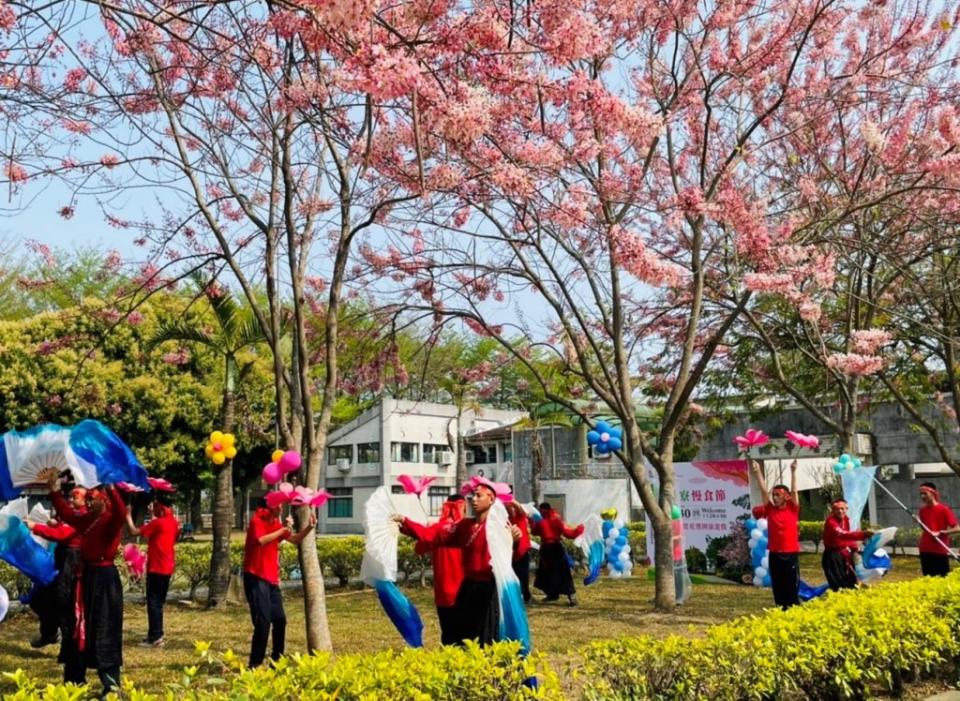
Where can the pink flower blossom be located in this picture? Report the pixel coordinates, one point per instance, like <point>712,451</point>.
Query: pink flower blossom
<point>16,173</point>
<point>855,364</point>
<point>868,341</point>
<point>415,485</point>
<point>66,212</point>
<point>135,318</point>
<point>109,160</point>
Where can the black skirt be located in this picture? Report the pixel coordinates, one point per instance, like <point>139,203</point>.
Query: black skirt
<point>66,588</point>
<point>103,616</point>
<point>838,569</point>
<point>553,573</point>
<point>476,612</point>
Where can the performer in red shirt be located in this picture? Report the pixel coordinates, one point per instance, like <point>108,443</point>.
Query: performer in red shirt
<point>447,567</point>
<point>521,549</point>
<point>161,534</point>
<point>839,543</point>
<point>553,572</point>
<point>261,577</point>
<point>781,508</point>
<point>99,599</point>
<point>939,522</point>
<point>476,610</point>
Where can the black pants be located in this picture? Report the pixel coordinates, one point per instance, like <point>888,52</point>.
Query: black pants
<point>933,565</point>
<point>44,604</point>
<point>157,586</point>
<point>73,668</point>
<point>103,615</point>
<point>521,567</point>
<point>838,569</point>
<point>477,612</point>
<point>447,616</point>
<point>553,571</point>
<point>266,610</point>
<point>785,579</point>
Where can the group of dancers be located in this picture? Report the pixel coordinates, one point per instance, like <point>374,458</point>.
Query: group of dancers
<point>83,606</point>
<point>781,507</point>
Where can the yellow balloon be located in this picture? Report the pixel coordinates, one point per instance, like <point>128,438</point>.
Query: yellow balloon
<point>218,458</point>
<point>229,439</point>
<point>230,452</point>
<point>208,450</point>
<point>216,437</point>
<point>277,454</point>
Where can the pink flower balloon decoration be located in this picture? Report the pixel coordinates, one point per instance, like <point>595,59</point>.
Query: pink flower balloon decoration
<point>415,485</point>
<point>290,462</point>
<point>275,499</point>
<point>802,440</point>
<point>271,473</point>
<point>127,487</point>
<point>753,438</point>
<point>161,485</point>
<point>135,559</point>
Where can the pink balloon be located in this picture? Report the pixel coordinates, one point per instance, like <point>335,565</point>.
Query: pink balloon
<point>286,488</point>
<point>290,462</point>
<point>271,473</point>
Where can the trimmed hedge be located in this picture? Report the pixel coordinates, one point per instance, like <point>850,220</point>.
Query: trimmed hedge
<point>848,645</point>
<point>844,646</point>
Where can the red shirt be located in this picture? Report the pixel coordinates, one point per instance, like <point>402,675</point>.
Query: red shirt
<point>65,507</point>
<point>523,545</point>
<point>551,528</point>
<point>263,561</point>
<point>838,536</point>
<point>936,517</point>
<point>447,564</point>
<point>467,534</point>
<point>161,534</point>
<point>783,526</point>
<point>100,535</point>
<point>61,533</point>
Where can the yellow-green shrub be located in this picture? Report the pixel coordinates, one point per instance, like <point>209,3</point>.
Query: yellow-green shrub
<point>842,646</point>
<point>340,557</point>
<point>445,674</point>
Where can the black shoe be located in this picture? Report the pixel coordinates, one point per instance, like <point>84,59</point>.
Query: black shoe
<point>572,601</point>
<point>551,598</point>
<point>40,641</point>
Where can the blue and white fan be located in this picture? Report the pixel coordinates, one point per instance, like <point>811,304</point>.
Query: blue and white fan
<point>513,613</point>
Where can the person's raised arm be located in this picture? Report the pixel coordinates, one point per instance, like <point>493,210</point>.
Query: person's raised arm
<point>793,483</point>
<point>761,482</point>
<point>311,522</point>
<point>131,526</point>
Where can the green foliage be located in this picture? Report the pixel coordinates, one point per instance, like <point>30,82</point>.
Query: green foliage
<point>696,560</point>
<point>847,645</point>
<point>340,557</point>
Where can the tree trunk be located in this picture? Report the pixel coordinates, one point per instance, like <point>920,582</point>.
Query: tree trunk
<point>536,468</point>
<point>196,510</point>
<point>223,513</point>
<point>314,591</point>
<point>461,449</point>
<point>665,598</point>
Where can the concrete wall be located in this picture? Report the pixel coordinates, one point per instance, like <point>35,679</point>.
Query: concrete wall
<point>590,496</point>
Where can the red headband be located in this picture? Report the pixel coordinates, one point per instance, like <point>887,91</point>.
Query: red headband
<point>838,502</point>
<point>931,491</point>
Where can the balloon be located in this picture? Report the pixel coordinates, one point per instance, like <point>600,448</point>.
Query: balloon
<point>615,443</point>
<point>762,524</point>
<point>766,580</point>
<point>217,446</point>
<point>614,532</point>
<point>602,427</point>
<point>760,572</point>
<point>216,437</point>
<point>276,455</point>
<point>290,462</point>
<point>605,437</point>
<point>756,534</point>
<point>765,562</point>
<point>285,487</point>
<point>208,450</point>
<point>880,552</point>
<point>593,437</point>
<point>675,512</point>
<point>624,557</point>
<point>857,462</point>
<point>621,540</point>
<point>218,458</point>
<point>751,524</point>
<point>837,467</point>
<point>763,543</point>
<point>230,452</point>
<point>4,603</point>
<point>603,448</point>
<point>752,543</point>
<point>616,431</point>
<point>626,548</point>
<point>844,458</point>
<point>275,499</point>
<point>271,473</point>
<point>757,582</point>
<point>619,523</point>
<point>616,574</point>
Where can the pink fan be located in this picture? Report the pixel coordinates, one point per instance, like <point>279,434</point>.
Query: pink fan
<point>158,484</point>
<point>135,559</point>
<point>801,440</point>
<point>275,499</point>
<point>415,485</point>
<point>501,489</point>
<point>753,438</point>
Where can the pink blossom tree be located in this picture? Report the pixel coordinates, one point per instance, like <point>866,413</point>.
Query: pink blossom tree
<point>608,179</point>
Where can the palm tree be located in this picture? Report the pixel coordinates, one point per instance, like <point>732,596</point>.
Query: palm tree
<point>236,329</point>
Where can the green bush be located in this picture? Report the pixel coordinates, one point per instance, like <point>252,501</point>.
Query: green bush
<point>410,563</point>
<point>444,674</point>
<point>340,557</point>
<point>812,532</point>
<point>844,646</point>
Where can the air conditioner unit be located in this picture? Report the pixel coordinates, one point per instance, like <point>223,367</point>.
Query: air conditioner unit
<point>597,455</point>
<point>468,457</point>
<point>443,457</point>
<point>885,473</point>
<point>343,464</point>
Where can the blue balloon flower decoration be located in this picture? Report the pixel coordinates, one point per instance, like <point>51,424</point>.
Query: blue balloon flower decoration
<point>607,438</point>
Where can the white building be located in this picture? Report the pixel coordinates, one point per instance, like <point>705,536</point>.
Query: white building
<point>398,437</point>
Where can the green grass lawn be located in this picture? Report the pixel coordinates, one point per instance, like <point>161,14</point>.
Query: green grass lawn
<point>609,608</point>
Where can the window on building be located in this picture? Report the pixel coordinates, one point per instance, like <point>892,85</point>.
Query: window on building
<point>507,450</point>
<point>484,454</point>
<point>436,496</point>
<point>368,452</point>
<point>339,452</point>
<point>340,504</point>
<point>397,489</point>
<point>431,452</point>
<point>404,452</point>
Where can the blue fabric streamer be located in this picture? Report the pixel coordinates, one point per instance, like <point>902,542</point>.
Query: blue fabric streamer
<point>807,592</point>
<point>7,491</point>
<point>513,615</point>
<point>857,483</point>
<point>401,612</point>
<point>595,563</point>
<point>115,462</point>
<point>18,548</point>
